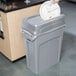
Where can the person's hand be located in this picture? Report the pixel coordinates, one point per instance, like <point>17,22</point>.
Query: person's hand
<point>55,1</point>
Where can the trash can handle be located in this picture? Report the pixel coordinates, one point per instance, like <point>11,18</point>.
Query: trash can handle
<point>27,32</point>
<point>53,29</point>
<point>48,32</point>
<point>35,37</point>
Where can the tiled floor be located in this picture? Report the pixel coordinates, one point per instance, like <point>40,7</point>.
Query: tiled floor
<point>67,64</point>
<point>69,9</point>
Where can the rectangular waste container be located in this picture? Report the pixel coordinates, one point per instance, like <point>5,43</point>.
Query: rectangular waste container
<point>43,41</point>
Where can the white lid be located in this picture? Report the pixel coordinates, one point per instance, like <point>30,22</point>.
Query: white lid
<point>49,10</point>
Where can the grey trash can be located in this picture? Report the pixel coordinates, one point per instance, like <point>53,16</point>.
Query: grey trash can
<point>43,41</point>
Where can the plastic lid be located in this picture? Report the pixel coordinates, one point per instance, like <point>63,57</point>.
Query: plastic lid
<point>49,10</point>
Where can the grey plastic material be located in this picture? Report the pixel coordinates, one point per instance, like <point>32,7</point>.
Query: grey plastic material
<point>34,25</point>
<point>44,51</point>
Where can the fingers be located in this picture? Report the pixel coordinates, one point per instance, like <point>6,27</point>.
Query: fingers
<point>55,1</point>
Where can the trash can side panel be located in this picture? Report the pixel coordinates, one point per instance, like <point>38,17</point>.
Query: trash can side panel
<point>48,54</point>
<point>60,46</point>
<point>50,35</point>
<point>49,48</point>
<point>32,55</point>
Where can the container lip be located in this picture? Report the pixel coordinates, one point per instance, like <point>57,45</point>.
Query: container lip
<point>30,28</point>
<point>42,21</point>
